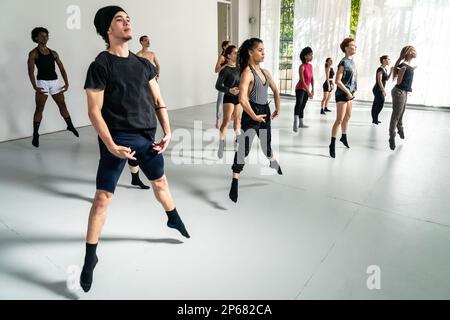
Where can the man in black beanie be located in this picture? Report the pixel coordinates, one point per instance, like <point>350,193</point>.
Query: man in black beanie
<point>123,102</point>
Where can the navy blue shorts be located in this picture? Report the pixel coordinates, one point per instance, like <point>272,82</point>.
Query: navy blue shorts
<point>110,167</point>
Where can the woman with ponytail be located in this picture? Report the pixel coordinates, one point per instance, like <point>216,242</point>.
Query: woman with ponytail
<point>256,118</point>
<point>220,64</point>
<point>404,74</point>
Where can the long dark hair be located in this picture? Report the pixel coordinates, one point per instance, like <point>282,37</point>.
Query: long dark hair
<point>224,45</point>
<point>228,51</point>
<point>404,54</point>
<point>326,62</point>
<point>243,55</point>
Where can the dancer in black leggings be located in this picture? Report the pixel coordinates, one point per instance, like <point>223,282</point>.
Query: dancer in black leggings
<point>304,89</point>
<point>379,89</point>
<point>256,118</point>
<point>228,83</point>
<point>47,81</point>
<point>404,73</point>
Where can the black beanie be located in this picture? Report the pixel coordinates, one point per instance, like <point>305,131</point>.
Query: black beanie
<point>103,18</point>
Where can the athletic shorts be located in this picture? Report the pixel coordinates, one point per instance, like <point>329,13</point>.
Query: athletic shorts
<point>340,96</point>
<point>50,87</point>
<point>231,99</point>
<point>110,167</point>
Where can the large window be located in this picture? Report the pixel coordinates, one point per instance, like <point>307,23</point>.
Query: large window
<point>286,45</point>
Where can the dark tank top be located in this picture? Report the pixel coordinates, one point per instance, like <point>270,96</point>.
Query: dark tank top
<point>45,64</point>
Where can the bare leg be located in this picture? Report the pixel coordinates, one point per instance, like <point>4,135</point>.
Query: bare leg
<point>162,194</point>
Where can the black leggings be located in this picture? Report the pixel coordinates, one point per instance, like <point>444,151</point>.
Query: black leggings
<point>250,129</point>
<point>377,105</point>
<point>301,97</point>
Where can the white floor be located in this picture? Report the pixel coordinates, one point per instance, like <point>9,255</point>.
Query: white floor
<point>309,234</point>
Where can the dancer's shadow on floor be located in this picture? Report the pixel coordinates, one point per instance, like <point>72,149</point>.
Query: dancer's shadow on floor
<point>60,287</point>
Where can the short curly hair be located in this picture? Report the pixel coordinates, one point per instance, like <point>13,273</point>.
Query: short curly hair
<point>345,43</point>
<point>305,51</point>
<point>35,32</point>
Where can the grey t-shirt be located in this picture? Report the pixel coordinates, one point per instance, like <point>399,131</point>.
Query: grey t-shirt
<point>349,77</point>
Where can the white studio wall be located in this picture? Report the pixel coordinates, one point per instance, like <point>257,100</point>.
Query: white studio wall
<point>242,27</point>
<point>386,26</point>
<point>321,25</point>
<point>270,34</point>
<point>186,79</point>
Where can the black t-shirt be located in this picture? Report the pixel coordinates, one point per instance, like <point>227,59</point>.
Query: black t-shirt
<point>229,78</point>
<point>128,104</point>
<point>408,77</point>
<point>384,77</point>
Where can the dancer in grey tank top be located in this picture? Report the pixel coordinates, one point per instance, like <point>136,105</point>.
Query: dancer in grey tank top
<point>256,118</point>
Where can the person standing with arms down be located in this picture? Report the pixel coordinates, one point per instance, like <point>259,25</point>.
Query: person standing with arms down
<point>346,81</point>
<point>327,86</point>
<point>46,82</point>
<point>149,55</point>
<point>228,83</point>
<point>220,64</point>
<point>256,118</point>
<point>379,89</point>
<point>302,89</point>
<point>404,74</point>
<point>123,102</point>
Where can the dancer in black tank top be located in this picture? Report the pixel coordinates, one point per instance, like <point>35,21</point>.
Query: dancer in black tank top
<point>404,74</point>
<point>256,117</point>
<point>327,86</point>
<point>46,82</point>
<point>379,89</point>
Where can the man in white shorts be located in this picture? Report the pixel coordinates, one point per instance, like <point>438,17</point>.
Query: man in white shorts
<point>46,82</point>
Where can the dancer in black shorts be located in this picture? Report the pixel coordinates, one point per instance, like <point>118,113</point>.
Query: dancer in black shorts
<point>256,118</point>
<point>228,83</point>
<point>124,100</point>
<point>346,81</point>
<point>327,86</point>
<point>46,82</point>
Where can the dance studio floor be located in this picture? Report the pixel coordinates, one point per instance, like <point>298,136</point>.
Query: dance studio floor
<point>324,230</point>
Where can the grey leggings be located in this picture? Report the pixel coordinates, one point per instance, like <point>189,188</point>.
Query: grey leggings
<point>399,98</point>
<point>219,104</point>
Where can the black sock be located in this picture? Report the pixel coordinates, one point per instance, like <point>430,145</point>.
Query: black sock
<point>344,140</point>
<point>275,165</point>
<point>90,261</point>
<point>332,147</point>
<point>36,125</point>
<point>136,181</point>
<point>70,126</point>
<point>176,223</point>
<point>234,190</point>
<point>35,141</point>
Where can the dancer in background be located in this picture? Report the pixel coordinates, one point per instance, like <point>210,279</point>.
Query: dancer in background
<point>149,55</point>
<point>302,89</point>
<point>404,74</point>
<point>220,64</point>
<point>379,89</point>
<point>256,118</point>
<point>327,86</point>
<point>46,82</point>
<point>228,83</point>
<point>346,81</point>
